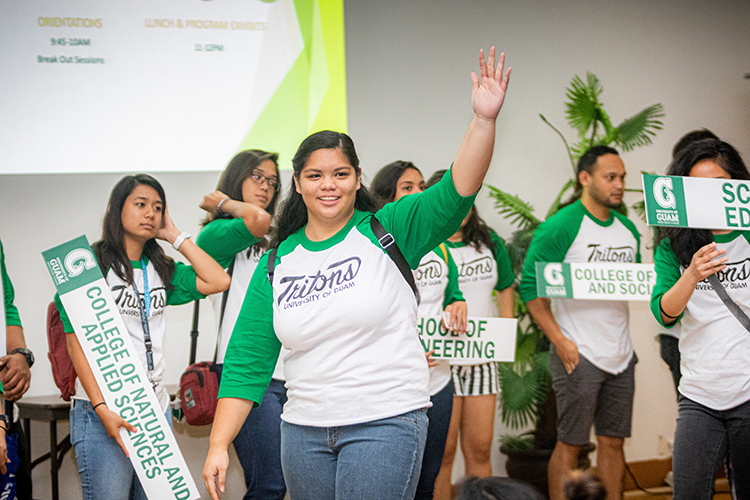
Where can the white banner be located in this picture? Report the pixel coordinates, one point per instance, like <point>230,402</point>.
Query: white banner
<point>595,280</point>
<point>486,339</point>
<point>119,373</point>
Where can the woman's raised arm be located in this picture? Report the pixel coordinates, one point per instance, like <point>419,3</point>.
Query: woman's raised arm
<point>211,278</point>
<point>487,97</point>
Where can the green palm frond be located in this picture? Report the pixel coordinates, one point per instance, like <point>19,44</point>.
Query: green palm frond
<point>638,130</point>
<point>520,395</point>
<point>512,207</point>
<point>639,207</point>
<point>558,201</point>
<point>583,107</point>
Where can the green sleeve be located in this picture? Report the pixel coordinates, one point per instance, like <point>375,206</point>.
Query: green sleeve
<point>9,294</point>
<point>253,347</point>
<point>551,242</point>
<point>452,292</point>
<point>634,231</point>
<point>67,327</point>
<point>222,239</point>
<point>184,286</point>
<point>420,222</point>
<point>667,269</point>
<point>505,276</point>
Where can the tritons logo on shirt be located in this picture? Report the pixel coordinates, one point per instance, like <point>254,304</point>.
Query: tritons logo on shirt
<point>602,253</point>
<point>734,276</point>
<point>306,288</point>
<point>127,301</point>
<point>475,268</point>
<point>430,270</point>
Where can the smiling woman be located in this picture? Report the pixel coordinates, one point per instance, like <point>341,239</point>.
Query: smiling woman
<point>357,375</point>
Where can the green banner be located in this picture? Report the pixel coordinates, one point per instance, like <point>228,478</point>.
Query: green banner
<point>118,371</point>
<point>697,202</point>
<point>595,281</point>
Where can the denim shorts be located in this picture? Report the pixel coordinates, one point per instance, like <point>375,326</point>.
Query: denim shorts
<point>377,460</point>
<point>588,396</point>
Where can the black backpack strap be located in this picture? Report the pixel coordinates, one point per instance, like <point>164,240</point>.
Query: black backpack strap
<point>731,305</point>
<point>389,245</point>
<point>272,263</point>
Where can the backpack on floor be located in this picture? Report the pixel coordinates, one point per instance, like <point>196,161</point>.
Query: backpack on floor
<point>62,366</point>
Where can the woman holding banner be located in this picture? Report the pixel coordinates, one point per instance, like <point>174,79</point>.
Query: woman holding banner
<point>143,280</point>
<point>437,280</point>
<point>357,375</point>
<point>235,233</point>
<point>485,274</point>
<point>692,265</point>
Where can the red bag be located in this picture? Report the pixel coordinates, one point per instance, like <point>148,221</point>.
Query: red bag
<point>199,392</point>
<point>62,366</point>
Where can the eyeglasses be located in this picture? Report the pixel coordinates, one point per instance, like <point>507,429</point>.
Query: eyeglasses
<point>259,178</point>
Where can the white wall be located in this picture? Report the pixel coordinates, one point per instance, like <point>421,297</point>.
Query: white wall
<point>408,66</point>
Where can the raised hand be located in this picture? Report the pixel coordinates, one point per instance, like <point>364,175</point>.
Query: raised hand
<point>168,231</point>
<point>488,90</point>
<point>211,202</point>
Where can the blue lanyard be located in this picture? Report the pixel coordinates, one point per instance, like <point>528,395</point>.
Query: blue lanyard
<point>144,308</point>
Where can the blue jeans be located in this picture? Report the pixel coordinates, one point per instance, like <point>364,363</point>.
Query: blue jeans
<point>104,469</point>
<point>439,416</point>
<point>377,460</point>
<point>701,440</point>
<point>258,445</point>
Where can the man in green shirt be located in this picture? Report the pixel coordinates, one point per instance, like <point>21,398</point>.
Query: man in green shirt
<point>591,358</point>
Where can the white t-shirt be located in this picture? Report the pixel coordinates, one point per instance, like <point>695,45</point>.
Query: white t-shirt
<point>599,328</point>
<point>714,346</point>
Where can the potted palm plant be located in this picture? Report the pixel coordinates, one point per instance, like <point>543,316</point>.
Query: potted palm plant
<point>526,394</point>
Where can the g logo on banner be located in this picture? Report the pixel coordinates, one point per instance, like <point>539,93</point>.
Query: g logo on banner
<point>77,260</point>
<point>663,192</point>
<point>553,274</point>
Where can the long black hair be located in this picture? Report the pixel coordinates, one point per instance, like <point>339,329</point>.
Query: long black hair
<point>293,214</point>
<point>686,241</point>
<point>385,182</point>
<point>239,169</point>
<point>110,250</point>
<point>476,232</point>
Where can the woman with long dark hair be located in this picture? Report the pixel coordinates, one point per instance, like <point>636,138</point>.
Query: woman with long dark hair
<point>437,280</point>
<point>485,279</point>
<point>714,400</point>
<point>143,281</point>
<point>354,424</point>
<point>236,233</point>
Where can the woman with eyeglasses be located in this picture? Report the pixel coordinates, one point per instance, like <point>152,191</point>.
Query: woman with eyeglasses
<point>236,233</point>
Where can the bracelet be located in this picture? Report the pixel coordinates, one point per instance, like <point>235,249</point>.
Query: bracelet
<point>661,309</point>
<point>98,405</point>
<point>4,427</point>
<point>219,210</point>
<point>182,237</point>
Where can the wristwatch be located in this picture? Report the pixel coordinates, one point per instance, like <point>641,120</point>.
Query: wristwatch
<point>26,352</point>
<point>4,418</point>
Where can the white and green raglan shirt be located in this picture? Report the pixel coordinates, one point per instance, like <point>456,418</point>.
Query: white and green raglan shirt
<point>598,327</point>
<point>227,241</point>
<point>714,346</point>
<point>183,290</point>
<point>437,280</point>
<point>480,272</point>
<point>347,315</point>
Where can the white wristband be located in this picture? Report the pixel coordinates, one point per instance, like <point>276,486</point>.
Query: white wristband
<point>182,237</point>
